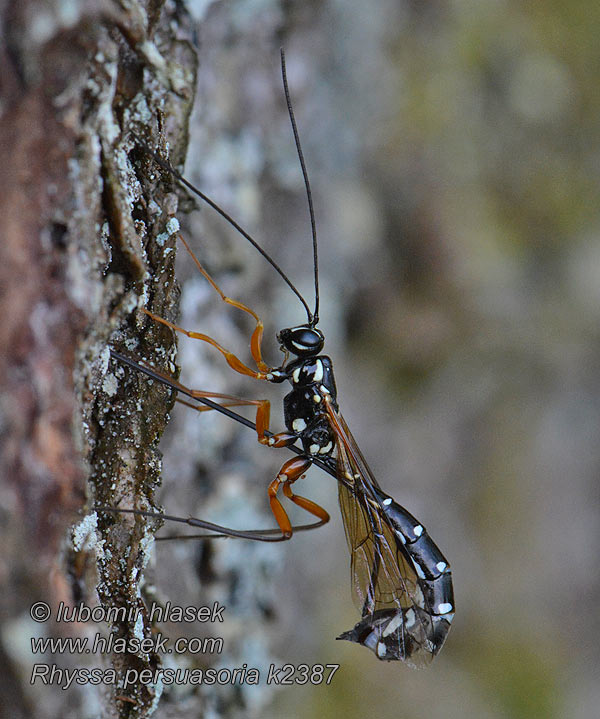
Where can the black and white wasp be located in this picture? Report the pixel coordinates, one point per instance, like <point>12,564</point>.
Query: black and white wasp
<point>401,582</point>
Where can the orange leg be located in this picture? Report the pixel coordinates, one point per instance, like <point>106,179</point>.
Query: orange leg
<point>232,360</point>
<point>228,400</point>
<point>307,504</point>
<point>255,341</point>
<point>257,335</point>
<point>263,413</point>
<point>292,470</point>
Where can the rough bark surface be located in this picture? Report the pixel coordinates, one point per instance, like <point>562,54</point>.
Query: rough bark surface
<point>86,242</point>
<point>89,238</point>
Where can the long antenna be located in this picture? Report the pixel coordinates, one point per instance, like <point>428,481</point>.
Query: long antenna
<point>166,165</point>
<point>314,320</point>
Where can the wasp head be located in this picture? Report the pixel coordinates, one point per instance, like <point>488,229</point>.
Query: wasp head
<point>302,341</point>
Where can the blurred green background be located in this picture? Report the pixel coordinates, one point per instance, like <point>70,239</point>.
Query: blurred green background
<point>453,151</point>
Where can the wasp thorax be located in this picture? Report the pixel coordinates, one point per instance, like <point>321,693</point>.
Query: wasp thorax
<point>303,341</point>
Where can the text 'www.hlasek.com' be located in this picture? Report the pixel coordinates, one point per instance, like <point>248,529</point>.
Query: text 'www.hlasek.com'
<point>101,643</point>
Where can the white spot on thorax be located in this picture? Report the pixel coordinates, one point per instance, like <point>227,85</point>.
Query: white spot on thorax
<point>298,425</point>
<point>296,375</point>
<point>441,566</point>
<point>327,448</point>
<point>418,530</point>
<point>386,502</point>
<point>316,398</point>
<point>318,376</point>
<point>445,608</point>
<point>313,449</point>
<point>381,649</point>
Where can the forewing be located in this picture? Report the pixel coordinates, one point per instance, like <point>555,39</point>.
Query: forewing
<point>398,620</point>
<point>382,577</point>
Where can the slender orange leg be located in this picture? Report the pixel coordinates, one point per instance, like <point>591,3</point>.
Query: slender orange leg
<point>228,400</point>
<point>292,470</point>
<point>263,412</point>
<point>305,503</point>
<point>255,341</point>
<point>263,406</point>
<point>232,360</point>
<point>289,472</point>
<point>257,335</point>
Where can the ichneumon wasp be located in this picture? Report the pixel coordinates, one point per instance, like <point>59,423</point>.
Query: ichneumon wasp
<point>401,582</point>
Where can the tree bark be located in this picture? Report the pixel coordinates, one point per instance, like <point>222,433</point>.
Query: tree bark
<point>86,243</point>
<point>89,239</point>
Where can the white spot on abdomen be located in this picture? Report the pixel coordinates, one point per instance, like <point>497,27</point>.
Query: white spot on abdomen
<point>394,624</point>
<point>411,617</point>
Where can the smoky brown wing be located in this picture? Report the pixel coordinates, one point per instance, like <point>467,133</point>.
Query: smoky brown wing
<point>385,585</point>
<point>382,576</point>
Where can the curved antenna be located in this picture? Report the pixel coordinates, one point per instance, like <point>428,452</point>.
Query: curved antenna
<point>314,319</point>
<point>166,165</point>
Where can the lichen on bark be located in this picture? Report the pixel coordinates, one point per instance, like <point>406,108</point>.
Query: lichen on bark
<point>86,218</point>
